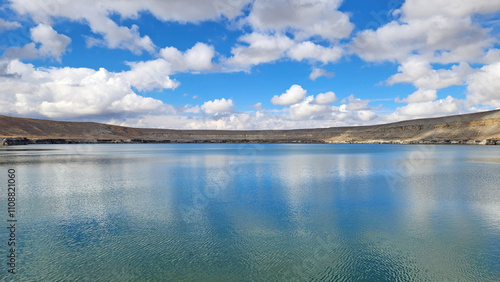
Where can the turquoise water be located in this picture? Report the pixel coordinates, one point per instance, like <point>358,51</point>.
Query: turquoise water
<point>253,212</point>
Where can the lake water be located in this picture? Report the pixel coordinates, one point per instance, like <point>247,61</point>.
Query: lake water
<point>253,212</point>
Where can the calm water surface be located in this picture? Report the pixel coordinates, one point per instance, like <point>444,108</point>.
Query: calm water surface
<point>254,212</point>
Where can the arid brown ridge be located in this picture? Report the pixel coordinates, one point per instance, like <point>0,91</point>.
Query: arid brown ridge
<point>477,128</point>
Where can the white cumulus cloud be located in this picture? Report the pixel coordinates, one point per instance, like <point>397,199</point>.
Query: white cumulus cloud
<point>50,44</point>
<point>446,106</point>
<point>217,106</point>
<point>197,58</point>
<point>150,75</point>
<point>303,18</point>
<point>309,50</point>
<point>414,9</point>
<point>155,74</point>
<point>265,48</point>
<point>307,108</point>
<point>352,103</point>
<point>96,14</point>
<point>292,96</point>
<point>262,48</point>
<point>118,37</point>
<point>325,98</point>
<point>419,96</point>
<point>69,93</point>
<point>484,86</point>
<point>418,71</point>
<point>437,36</point>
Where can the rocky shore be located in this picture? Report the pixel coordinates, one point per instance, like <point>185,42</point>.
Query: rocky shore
<point>472,129</point>
<point>26,141</point>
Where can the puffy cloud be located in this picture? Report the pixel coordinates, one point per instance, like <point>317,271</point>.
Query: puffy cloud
<point>155,74</point>
<point>414,9</point>
<point>153,121</point>
<point>390,42</point>
<point>426,36</point>
<point>118,37</point>
<point>317,72</point>
<point>7,25</point>
<point>273,21</point>
<point>325,98</point>
<point>191,109</point>
<point>435,32</point>
<point>150,75</point>
<point>101,95</point>
<point>438,39</point>
<point>114,36</point>
<point>51,44</point>
<point>73,93</point>
<point>178,10</point>
<point>331,117</point>
<point>352,103</point>
<point>419,72</point>
<point>355,109</point>
<point>309,50</point>
<point>198,58</point>
<point>492,56</point>
<point>307,108</point>
<point>303,18</point>
<point>438,31</point>
<point>364,115</point>
<point>70,93</point>
<point>317,108</point>
<point>423,36</point>
<point>298,116</point>
<point>292,96</point>
<point>222,122</point>
<point>265,48</point>
<point>420,96</point>
<point>484,86</point>
<point>446,106</point>
<point>262,48</point>
<point>217,106</point>
<point>97,15</point>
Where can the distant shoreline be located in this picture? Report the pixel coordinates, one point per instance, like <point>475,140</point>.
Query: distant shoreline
<point>481,128</point>
<point>26,141</point>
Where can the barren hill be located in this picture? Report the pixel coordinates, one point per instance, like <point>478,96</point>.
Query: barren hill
<point>476,128</point>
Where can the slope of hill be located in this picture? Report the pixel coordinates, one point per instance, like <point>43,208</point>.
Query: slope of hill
<point>476,128</point>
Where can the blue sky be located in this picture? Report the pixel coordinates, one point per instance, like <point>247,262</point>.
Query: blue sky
<point>248,64</point>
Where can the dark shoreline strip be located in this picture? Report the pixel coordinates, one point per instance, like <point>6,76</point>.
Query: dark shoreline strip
<point>25,141</point>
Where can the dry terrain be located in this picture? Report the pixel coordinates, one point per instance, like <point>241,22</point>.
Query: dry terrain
<point>476,128</point>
